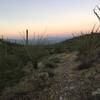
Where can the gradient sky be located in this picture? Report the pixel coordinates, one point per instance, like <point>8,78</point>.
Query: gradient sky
<point>55,17</point>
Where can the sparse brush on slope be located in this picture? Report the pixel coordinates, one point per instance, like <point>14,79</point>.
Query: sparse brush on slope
<point>89,50</point>
<point>37,51</point>
<point>17,57</point>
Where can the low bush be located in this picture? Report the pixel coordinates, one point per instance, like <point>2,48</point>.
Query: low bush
<point>89,50</point>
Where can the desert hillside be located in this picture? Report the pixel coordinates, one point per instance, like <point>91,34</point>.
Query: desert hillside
<point>68,70</point>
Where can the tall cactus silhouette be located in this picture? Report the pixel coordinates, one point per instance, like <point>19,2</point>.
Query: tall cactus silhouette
<point>27,32</point>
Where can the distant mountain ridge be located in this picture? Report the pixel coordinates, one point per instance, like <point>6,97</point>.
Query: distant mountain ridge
<point>48,40</point>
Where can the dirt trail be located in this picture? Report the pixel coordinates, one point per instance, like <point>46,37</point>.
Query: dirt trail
<point>68,81</point>
<point>67,65</point>
<point>64,74</point>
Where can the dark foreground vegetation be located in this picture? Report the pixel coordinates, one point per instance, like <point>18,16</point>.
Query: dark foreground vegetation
<point>37,72</point>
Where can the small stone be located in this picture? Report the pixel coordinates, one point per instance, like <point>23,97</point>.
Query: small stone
<point>60,98</point>
<point>71,88</point>
<point>97,92</point>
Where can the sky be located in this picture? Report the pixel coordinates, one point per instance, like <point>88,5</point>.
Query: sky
<point>51,17</point>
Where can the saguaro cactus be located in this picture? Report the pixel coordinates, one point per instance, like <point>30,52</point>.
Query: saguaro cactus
<point>26,36</point>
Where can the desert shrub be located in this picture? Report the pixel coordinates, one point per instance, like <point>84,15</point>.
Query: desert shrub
<point>58,48</point>
<point>47,68</point>
<point>21,54</point>
<point>89,50</point>
<point>10,70</point>
<point>36,53</point>
<point>54,59</point>
<point>50,64</point>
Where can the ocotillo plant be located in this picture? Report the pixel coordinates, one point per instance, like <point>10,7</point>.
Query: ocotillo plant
<point>95,10</point>
<point>36,50</point>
